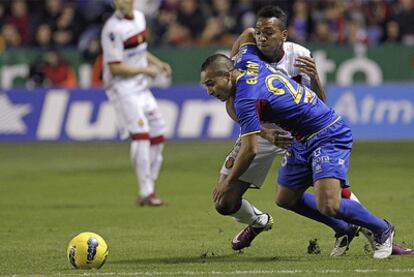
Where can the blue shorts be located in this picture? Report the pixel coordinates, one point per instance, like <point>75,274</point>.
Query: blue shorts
<point>325,155</point>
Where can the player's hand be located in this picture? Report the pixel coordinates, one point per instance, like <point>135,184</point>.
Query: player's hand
<point>306,65</point>
<point>166,68</point>
<point>278,137</point>
<point>151,72</point>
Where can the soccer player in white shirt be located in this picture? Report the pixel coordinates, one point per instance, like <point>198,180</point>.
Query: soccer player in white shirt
<point>128,72</point>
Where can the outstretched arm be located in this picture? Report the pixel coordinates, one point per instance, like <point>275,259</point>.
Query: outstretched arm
<point>165,67</point>
<point>126,70</point>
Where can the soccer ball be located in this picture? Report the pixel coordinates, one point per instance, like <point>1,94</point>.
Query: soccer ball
<point>87,250</point>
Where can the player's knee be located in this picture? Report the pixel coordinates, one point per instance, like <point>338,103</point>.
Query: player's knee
<point>225,207</point>
<point>328,209</point>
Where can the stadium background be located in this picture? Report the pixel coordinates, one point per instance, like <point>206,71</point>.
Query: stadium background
<point>50,66</point>
<point>51,91</point>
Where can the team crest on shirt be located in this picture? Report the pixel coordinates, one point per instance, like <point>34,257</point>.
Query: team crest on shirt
<point>229,163</point>
<point>141,122</point>
<point>111,36</point>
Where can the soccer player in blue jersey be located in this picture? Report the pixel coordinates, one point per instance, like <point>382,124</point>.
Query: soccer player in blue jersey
<point>319,154</point>
<point>296,61</point>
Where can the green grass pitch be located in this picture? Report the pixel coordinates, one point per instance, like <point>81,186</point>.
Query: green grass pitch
<point>51,192</point>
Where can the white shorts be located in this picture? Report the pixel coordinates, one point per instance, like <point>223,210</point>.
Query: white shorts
<point>137,113</point>
<point>257,171</point>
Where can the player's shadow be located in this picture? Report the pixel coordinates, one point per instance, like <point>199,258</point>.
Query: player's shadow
<point>236,257</point>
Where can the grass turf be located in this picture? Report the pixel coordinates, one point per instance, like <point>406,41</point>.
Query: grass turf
<point>51,192</point>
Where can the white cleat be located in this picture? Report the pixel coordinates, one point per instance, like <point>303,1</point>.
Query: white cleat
<point>383,243</point>
<point>342,242</point>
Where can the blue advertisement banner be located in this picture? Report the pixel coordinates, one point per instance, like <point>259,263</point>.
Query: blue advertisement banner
<point>384,112</point>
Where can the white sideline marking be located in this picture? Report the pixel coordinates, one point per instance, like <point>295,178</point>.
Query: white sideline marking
<point>207,273</point>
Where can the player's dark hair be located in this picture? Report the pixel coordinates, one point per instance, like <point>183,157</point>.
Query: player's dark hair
<point>273,11</point>
<point>219,63</point>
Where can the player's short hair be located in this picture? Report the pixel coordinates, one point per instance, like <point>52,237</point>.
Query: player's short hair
<point>273,11</point>
<point>219,63</point>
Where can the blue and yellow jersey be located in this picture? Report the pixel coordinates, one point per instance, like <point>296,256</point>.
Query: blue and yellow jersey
<point>266,94</point>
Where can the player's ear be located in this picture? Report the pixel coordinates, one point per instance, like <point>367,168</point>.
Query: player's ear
<point>284,34</point>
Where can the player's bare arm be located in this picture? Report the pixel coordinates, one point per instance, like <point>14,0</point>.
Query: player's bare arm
<point>125,70</point>
<point>245,37</point>
<point>165,67</point>
<point>244,158</point>
<point>307,66</point>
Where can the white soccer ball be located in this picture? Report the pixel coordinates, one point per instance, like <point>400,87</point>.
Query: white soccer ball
<point>87,250</point>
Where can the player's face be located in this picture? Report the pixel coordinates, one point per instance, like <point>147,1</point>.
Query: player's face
<point>219,86</point>
<point>125,6</point>
<point>269,35</point>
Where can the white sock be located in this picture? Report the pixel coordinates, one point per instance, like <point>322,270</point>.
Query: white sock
<point>249,214</point>
<point>156,159</point>
<point>140,157</point>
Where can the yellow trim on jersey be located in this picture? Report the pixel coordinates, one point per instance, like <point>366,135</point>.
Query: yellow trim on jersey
<point>241,75</point>
<point>250,133</point>
<point>332,123</point>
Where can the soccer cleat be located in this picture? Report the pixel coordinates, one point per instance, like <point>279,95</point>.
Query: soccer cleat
<point>383,242</point>
<point>247,235</point>
<point>396,249</point>
<point>401,250</point>
<point>369,235</point>
<point>342,242</point>
<point>151,200</point>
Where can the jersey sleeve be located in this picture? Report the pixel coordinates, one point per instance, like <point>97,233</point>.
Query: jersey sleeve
<point>112,45</point>
<point>247,52</point>
<point>247,116</point>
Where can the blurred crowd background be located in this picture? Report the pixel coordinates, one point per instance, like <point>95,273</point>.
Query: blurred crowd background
<point>52,27</point>
<point>77,23</point>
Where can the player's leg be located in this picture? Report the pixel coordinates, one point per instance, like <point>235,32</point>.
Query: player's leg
<point>330,203</point>
<point>294,178</point>
<point>241,209</point>
<point>156,130</point>
<point>369,235</point>
<point>140,158</point>
<point>330,162</point>
<point>132,120</point>
<point>303,203</point>
<point>232,204</point>
<point>132,112</point>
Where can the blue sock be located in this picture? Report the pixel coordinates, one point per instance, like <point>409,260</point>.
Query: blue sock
<point>307,207</point>
<point>353,212</point>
